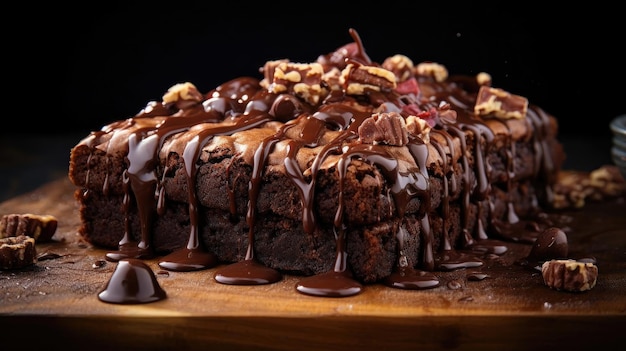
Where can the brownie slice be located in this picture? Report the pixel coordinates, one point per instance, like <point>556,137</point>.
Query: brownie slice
<point>399,160</point>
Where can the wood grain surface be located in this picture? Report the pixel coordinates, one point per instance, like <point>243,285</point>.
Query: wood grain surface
<point>54,302</point>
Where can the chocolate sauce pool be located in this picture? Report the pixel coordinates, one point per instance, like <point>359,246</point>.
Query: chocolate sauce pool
<point>241,104</point>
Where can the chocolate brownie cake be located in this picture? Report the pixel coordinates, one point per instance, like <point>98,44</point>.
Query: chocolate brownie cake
<point>343,171</point>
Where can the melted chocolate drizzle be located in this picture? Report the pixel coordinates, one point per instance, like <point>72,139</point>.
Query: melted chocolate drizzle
<point>185,128</point>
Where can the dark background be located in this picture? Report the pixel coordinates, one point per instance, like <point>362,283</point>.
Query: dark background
<point>70,70</point>
<point>97,64</point>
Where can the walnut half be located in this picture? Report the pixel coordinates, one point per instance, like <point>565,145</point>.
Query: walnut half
<point>569,275</point>
<point>17,252</point>
<point>39,227</point>
<point>387,128</point>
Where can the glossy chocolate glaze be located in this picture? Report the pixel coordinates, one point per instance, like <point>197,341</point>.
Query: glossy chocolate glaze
<point>331,127</point>
<point>132,282</point>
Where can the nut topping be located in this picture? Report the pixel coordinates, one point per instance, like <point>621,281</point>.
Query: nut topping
<point>574,189</point>
<point>39,227</point>
<point>333,79</point>
<point>182,92</point>
<point>500,103</point>
<point>401,66</point>
<point>358,79</point>
<point>608,181</point>
<point>384,128</point>
<point>483,78</point>
<point>569,275</point>
<point>418,127</point>
<point>304,80</point>
<point>17,252</point>
<point>432,69</point>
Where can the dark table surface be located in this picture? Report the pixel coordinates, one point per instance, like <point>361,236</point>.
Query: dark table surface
<point>29,161</point>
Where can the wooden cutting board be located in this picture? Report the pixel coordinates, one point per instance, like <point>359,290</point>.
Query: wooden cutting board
<point>54,303</point>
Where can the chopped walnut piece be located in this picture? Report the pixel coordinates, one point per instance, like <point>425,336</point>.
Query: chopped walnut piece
<point>609,182</point>
<point>358,79</point>
<point>500,103</point>
<point>39,227</point>
<point>569,275</point>
<point>17,252</point>
<point>573,189</point>
<point>268,71</point>
<point>432,69</point>
<point>483,78</point>
<point>384,128</point>
<point>303,79</point>
<point>418,127</point>
<point>182,92</point>
<point>333,78</point>
<point>401,66</point>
